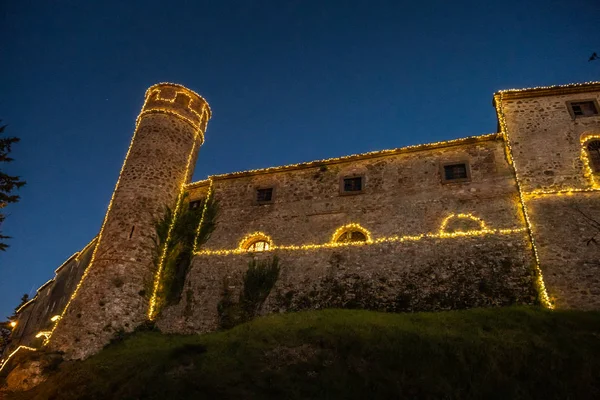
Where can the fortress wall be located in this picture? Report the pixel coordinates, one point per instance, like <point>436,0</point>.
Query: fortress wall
<point>424,275</point>
<point>404,195</point>
<point>50,300</point>
<point>547,140</point>
<point>567,233</point>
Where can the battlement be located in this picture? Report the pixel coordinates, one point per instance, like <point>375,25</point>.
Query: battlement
<point>180,101</point>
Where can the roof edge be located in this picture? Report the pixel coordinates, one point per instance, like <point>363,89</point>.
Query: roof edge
<point>353,157</point>
<point>554,90</point>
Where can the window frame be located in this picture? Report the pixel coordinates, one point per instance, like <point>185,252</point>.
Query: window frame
<point>445,164</point>
<point>572,113</point>
<point>363,184</point>
<point>589,155</point>
<point>257,188</point>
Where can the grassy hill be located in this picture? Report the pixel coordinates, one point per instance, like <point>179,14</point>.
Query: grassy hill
<point>507,353</point>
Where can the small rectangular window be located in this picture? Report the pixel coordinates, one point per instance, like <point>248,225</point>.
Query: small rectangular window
<point>352,184</point>
<point>583,108</point>
<point>455,172</point>
<point>264,195</point>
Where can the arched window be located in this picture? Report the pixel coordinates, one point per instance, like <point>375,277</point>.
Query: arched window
<point>351,236</point>
<point>259,245</point>
<point>256,241</point>
<point>351,233</point>
<point>593,148</point>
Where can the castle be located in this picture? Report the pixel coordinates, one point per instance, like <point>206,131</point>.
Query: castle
<point>499,219</point>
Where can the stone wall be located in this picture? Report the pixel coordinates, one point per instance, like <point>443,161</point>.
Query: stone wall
<point>403,195</point>
<point>425,275</point>
<point>547,141</point>
<point>567,232</point>
<point>116,291</point>
<point>50,300</point>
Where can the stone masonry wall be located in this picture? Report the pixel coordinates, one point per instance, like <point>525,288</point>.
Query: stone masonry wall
<point>115,294</point>
<point>425,275</point>
<point>568,242</point>
<point>404,195</point>
<point>546,140</point>
<point>49,301</point>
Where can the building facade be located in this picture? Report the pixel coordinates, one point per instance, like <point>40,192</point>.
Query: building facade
<point>505,218</point>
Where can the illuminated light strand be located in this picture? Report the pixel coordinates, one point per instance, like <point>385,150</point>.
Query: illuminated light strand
<point>316,163</point>
<point>204,208</point>
<point>565,86</point>
<point>589,172</point>
<point>43,333</point>
<point>541,286</point>
<point>18,310</point>
<point>560,192</point>
<point>74,256</point>
<point>251,238</point>
<point>4,362</point>
<point>462,216</point>
<point>194,125</point>
<point>93,258</point>
<point>157,278</point>
<point>55,318</point>
<point>87,246</point>
<point>44,285</point>
<point>158,85</point>
<point>408,238</point>
<point>349,228</point>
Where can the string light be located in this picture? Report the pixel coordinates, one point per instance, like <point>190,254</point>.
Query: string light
<point>18,310</point>
<point>157,278</point>
<point>45,334</point>
<point>351,227</point>
<point>442,234</point>
<point>541,286</point>
<point>353,157</point>
<point>55,318</point>
<point>204,208</point>
<point>589,172</point>
<point>251,238</point>
<point>110,205</point>
<point>463,216</point>
<point>559,192</point>
<point>566,86</point>
<point>4,362</point>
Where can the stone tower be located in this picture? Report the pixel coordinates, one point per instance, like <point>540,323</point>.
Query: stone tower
<point>549,131</point>
<point>116,288</point>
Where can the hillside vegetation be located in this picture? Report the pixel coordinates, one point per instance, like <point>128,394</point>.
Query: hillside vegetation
<point>506,353</point>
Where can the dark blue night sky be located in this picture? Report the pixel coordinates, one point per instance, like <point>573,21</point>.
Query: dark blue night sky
<point>288,81</point>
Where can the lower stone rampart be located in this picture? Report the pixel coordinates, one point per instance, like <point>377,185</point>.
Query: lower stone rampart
<point>430,274</point>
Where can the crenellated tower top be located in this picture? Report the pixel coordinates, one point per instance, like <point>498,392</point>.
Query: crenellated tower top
<point>177,100</point>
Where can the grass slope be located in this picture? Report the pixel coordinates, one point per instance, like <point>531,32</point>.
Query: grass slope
<point>507,353</point>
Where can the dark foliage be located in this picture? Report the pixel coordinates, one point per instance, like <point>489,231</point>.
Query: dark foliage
<point>8,183</point>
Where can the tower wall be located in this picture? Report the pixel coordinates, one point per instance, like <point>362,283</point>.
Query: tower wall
<point>114,293</point>
<point>559,190</point>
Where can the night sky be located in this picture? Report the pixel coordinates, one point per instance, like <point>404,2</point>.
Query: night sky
<point>288,81</point>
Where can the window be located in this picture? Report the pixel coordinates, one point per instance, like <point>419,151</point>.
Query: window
<point>264,195</point>
<point>259,245</point>
<point>455,172</point>
<point>352,185</point>
<point>195,204</point>
<point>593,149</point>
<point>351,236</point>
<point>586,108</point>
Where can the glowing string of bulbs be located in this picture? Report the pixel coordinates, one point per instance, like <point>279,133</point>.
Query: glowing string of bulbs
<point>157,278</point>
<point>442,234</point>
<point>3,363</point>
<point>543,293</point>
